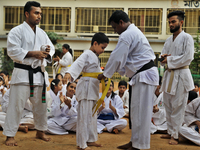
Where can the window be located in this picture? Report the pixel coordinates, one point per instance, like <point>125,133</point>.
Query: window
<point>92,20</point>
<point>13,16</point>
<point>54,19</point>
<point>148,20</point>
<point>191,23</point>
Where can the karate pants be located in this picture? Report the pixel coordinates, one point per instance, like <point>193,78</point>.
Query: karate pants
<point>54,128</point>
<point>19,94</point>
<point>86,123</point>
<point>190,134</point>
<point>110,124</point>
<point>175,106</point>
<point>141,113</point>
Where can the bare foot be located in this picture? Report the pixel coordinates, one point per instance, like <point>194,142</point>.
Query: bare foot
<point>166,136</point>
<point>125,146</point>
<point>23,129</point>
<point>10,141</point>
<point>173,141</point>
<point>42,135</point>
<point>132,148</point>
<point>94,144</point>
<point>87,148</point>
<point>116,131</point>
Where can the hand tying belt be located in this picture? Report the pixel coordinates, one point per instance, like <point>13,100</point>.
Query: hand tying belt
<point>104,89</point>
<point>172,77</point>
<point>31,71</point>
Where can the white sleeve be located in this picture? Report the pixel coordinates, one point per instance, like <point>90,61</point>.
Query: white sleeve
<point>117,60</point>
<point>65,61</point>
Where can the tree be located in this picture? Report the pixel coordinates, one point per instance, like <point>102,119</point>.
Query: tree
<point>5,62</point>
<point>195,64</point>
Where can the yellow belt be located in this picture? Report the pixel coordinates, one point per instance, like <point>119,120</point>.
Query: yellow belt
<point>104,89</point>
<point>172,77</point>
<point>61,67</point>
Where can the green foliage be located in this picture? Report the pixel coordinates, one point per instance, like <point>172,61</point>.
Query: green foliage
<point>194,66</point>
<point>54,37</point>
<point>5,62</point>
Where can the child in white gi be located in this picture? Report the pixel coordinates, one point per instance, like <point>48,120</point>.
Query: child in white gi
<point>111,112</point>
<point>191,128</point>
<point>124,95</point>
<point>87,92</point>
<point>63,109</point>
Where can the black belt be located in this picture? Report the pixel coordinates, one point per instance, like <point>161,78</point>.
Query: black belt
<point>145,67</point>
<point>31,71</point>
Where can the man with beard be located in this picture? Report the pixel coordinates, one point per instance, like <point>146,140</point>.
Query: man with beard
<point>30,49</point>
<point>177,53</point>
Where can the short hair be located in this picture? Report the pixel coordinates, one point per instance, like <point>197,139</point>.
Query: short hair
<point>192,95</point>
<point>122,83</point>
<point>180,14</point>
<point>100,38</point>
<point>117,16</point>
<point>58,75</point>
<point>54,83</point>
<point>196,84</point>
<point>5,72</point>
<point>29,4</point>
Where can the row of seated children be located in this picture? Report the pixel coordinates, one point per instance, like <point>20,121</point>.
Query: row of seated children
<point>109,117</point>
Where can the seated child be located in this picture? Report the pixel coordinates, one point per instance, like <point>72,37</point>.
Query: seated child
<point>64,85</point>
<point>63,108</point>
<point>111,112</point>
<point>124,95</point>
<point>26,122</point>
<point>196,89</point>
<point>191,127</point>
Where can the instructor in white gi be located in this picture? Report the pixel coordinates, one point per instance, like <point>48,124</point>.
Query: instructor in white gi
<point>30,49</point>
<point>177,53</point>
<point>132,53</point>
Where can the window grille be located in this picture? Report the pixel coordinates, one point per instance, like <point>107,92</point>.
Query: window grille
<point>148,20</point>
<point>92,20</point>
<point>191,23</point>
<point>54,19</point>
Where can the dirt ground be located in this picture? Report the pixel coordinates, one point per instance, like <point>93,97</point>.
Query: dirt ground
<point>27,141</point>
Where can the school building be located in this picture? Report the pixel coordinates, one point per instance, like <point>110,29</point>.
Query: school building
<point>77,20</point>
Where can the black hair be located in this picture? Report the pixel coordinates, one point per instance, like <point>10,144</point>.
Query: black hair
<point>117,16</point>
<point>1,79</point>
<point>112,94</point>
<point>5,72</point>
<point>68,84</point>
<point>68,48</point>
<point>122,83</point>
<point>180,14</point>
<point>196,84</point>
<point>58,75</point>
<point>54,83</point>
<point>100,38</point>
<point>29,4</point>
<point>160,80</point>
<point>192,95</point>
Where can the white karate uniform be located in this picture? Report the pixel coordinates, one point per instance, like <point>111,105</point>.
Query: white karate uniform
<point>131,53</point>
<point>159,118</point>
<point>117,123</point>
<point>192,114</point>
<point>87,93</point>
<point>182,51</point>
<point>125,99</point>
<point>21,40</point>
<point>27,115</point>
<point>64,62</point>
<point>64,119</point>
